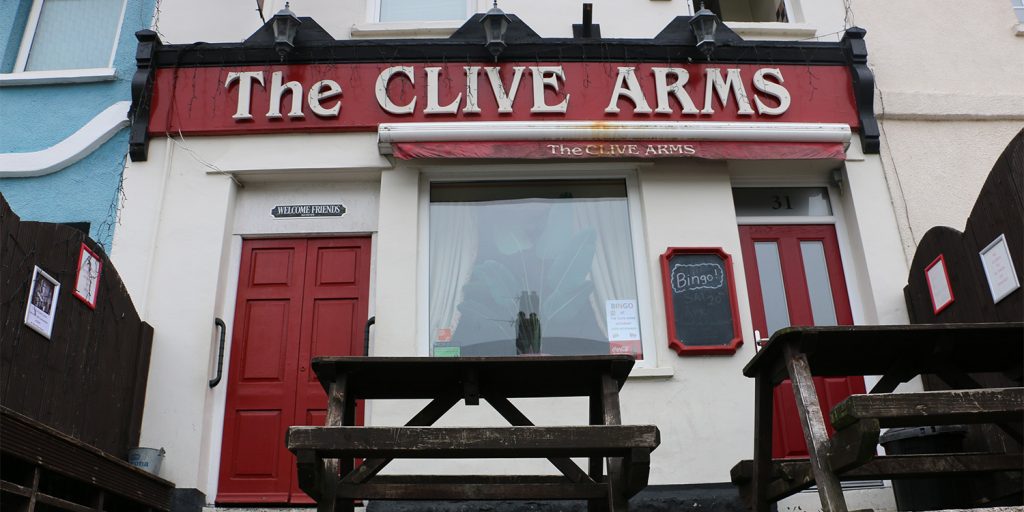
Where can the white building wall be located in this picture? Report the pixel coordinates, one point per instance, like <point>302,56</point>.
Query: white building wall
<point>950,96</point>
<point>179,244</point>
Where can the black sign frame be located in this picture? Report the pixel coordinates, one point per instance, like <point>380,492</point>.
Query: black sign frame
<point>716,282</point>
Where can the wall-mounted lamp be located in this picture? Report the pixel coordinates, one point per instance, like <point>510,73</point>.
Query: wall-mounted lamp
<point>495,23</point>
<point>286,24</point>
<point>704,25</point>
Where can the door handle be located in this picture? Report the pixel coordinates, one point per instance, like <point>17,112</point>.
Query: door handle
<point>220,356</point>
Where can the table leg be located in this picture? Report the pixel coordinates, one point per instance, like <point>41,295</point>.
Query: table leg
<point>340,411</point>
<point>596,464</point>
<point>764,396</point>
<point>815,433</point>
<point>617,492</point>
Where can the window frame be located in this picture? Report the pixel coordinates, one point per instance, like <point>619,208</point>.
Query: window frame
<point>637,232</point>
<point>791,13</point>
<point>373,13</point>
<point>1018,10</point>
<point>28,36</point>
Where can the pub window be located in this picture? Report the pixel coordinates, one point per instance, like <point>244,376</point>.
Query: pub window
<point>70,34</point>
<point>422,10</point>
<point>749,10</point>
<point>1018,9</point>
<point>532,267</point>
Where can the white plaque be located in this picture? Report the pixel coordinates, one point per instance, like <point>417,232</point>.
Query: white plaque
<point>623,320</point>
<point>999,269</point>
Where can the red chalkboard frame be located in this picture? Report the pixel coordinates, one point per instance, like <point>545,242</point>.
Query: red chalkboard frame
<point>674,342</point>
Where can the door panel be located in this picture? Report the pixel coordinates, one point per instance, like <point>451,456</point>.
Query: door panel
<point>335,309</point>
<point>296,299</point>
<point>795,277</point>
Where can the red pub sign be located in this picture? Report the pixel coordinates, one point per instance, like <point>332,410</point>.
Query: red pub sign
<point>360,97</point>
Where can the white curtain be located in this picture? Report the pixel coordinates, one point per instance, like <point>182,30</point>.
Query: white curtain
<point>454,240</point>
<point>612,272</point>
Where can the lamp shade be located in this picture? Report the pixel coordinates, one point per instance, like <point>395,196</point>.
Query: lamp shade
<point>285,25</point>
<point>495,23</point>
<point>704,25</point>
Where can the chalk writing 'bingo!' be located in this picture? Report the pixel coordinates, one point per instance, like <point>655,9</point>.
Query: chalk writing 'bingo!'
<point>758,92</point>
<point>697,276</point>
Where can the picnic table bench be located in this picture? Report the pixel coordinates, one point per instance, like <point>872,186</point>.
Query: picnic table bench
<point>325,455</point>
<point>897,353</point>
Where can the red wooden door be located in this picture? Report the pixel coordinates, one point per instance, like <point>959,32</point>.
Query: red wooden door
<point>297,299</point>
<point>795,277</point>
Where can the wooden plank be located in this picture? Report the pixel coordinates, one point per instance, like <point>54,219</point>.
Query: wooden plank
<point>474,442</point>
<point>429,377</point>
<point>932,407</point>
<point>815,432</point>
<point>873,350</point>
<point>853,445</point>
<point>488,491</point>
<point>790,476</point>
<point>56,502</point>
<point>14,488</point>
<point>30,441</point>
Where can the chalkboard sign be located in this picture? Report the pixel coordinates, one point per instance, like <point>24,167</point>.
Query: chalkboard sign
<point>700,301</point>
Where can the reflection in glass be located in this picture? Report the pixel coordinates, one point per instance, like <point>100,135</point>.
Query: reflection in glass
<point>819,288</point>
<point>773,293</point>
<point>531,267</point>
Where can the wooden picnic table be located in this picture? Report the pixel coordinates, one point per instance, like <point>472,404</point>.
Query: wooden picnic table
<point>325,455</point>
<point>896,353</point>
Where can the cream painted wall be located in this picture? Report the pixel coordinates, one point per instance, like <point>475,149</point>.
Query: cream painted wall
<point>256,201</point>
<point>949,98</point>
<point>179,253</point>
<point>187,21</point>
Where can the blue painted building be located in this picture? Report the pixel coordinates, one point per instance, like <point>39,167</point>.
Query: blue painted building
<point>65,87</point>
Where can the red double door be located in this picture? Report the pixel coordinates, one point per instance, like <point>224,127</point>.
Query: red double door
<point>795,278</point>
<point>297,298</point>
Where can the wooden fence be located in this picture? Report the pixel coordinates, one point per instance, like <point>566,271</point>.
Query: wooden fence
<point>89,379</point>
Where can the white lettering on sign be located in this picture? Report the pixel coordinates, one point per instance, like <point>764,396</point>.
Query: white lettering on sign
<point>244,79</point>
<point>545,77</point>
<point>277,90</point>
<point>663,89</point>
<point>724,86</point>
<point>773,89</point>
<point>432,101</point>
<point>382,90</point>
<point>632,90</point>
<point>324,90</point>
<point>626,149</point>
<point>697,276</point>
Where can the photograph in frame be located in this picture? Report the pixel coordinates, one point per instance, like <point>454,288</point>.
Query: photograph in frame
<point>87,278</point>
<point>999,269</point>
<point>939,287</point>
<point>42,303</point>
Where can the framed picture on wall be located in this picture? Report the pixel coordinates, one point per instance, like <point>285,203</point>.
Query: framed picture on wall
<point>939,287</point>
<point>42,302</point>
<point>999,269</point>
<point>87,279</point>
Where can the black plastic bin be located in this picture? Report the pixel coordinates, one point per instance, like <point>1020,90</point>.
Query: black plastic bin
<point>929,493</point>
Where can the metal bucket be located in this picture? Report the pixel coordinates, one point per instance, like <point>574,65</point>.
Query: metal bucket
<point>147,459</point>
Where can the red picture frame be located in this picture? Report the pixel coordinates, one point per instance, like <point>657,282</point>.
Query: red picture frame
<point>675,284</point>
<point>939,261</point>
<point>87,276</point>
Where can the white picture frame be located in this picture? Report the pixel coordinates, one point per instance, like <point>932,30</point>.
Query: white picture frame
<point>999,269</point>
<point>41,306</point>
